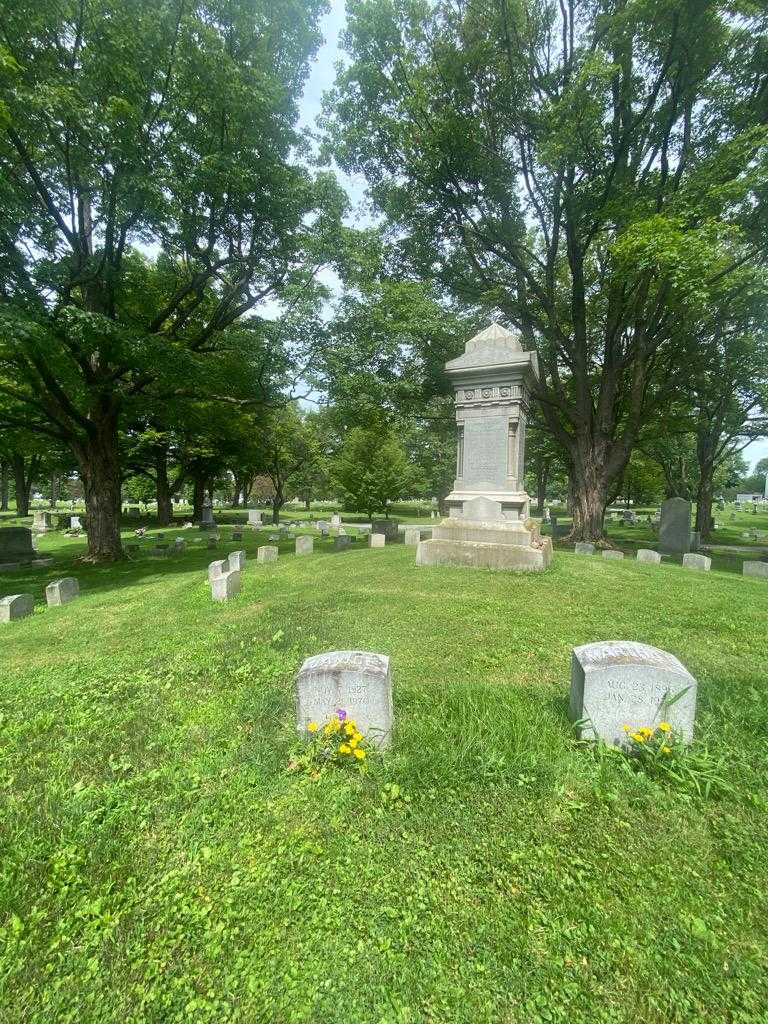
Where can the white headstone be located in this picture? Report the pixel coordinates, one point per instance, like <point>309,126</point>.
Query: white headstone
<point>254,516</point>
<point>412,536</point>
<point>377,540</point>
<point>266,553</point>
<point>216,569</point>
<point>16,606</point>
<point>649,556</point>
<point>225,586</point>
<point>617,683</point>
<point>61,591</point>
<point>336,520</point>
<point>304,545</point>
<point>758,569</point>
<point>609,554</point>
<point>694,561</point>
<point>357,682</point>
<point>236,560</point>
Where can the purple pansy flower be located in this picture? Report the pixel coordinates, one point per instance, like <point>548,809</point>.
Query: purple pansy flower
<point>341,714</point>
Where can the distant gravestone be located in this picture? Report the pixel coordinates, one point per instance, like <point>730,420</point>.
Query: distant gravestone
<point>254,517</point>
<point>336,520</point>
<point>16,545</point>
<point>612,555</point>
<point>206,518</point>
<point>16,606</point>
<point>74,523</point>
<point>756,569</point>
<point>160,551</point>
<point>41,521</point>
<point>377,540</point>
<point>412,536</point>
<point>675,527</point>
<point>179,546</point>
<point>693,561</point>
<point>324,529</point>
<point>305,545</point>
<point>584,547</point>
<point>62,592</point>
<point>216,569</point>
<point>617,683</point>
<point>266,553</point>
<point>341,543</point>
<point>225,586</point>
<point>357,682</point>
<point>386,526</point>
<point>649,556</point>
<point>236,560</point>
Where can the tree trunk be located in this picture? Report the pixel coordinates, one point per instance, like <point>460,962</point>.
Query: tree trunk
<point>542,479</point>
<point>100,472</point>
<point>198,497</point>
<point>163,490</point>
<point>308,503</point>
<point>55,487</point>
<point>589,489</point>
<point>704,496</point>
<point>4,485</point>
<point>277,503</point>
<point>23,485</point>
<point>238,492</point>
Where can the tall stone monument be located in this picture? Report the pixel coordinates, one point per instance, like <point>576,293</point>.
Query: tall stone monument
<point>491,384</point>
<point>488,506</point>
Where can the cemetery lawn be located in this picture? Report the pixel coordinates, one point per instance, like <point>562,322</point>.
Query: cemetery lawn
<point>160,864</point>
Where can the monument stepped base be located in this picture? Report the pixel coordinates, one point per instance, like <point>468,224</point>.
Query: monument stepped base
<point>503,545</point>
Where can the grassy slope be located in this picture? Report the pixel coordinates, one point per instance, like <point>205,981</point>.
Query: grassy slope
<point>157,863</point>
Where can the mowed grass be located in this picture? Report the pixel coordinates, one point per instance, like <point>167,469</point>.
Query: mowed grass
<point>159,864</point>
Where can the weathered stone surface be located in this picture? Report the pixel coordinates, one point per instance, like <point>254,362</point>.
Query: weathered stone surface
<point>757,569</point>
<point>503,531</point>
<point>41,521</point>
<point>491,383</point>
<point>216,569</point>
<point>646,555</point>
<point>225,586</point>
<point>236,560</point>
<point>612,555</point>
<point>387,527</point>
<point>377,540</point>
<point>16,606</point>
<point>336,520</point>
<point>357,682</point>
<point>341,543</point>
<point>583,547</point>
<point>479,555</point>
<point>254,517</point>
<point>694,561</point>
<point>266,553</point>
<point>41,563</point>
<point>483,509</point>
<point>675,526</point>
<point>412,536</point>
<point>206,518</point>
<point>62,591</point>
<point>617,683</point>
<point>305,545</point>
<point>16,544</point>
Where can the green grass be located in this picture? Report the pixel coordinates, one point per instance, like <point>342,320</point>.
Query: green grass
<point>158,863</point>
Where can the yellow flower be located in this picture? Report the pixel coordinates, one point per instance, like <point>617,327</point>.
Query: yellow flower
<point>312,727</point>
<point>345,748</point>
<point>666,750</point>
<point>627,728</point>
<point>349,729</point>
<point>645,731</point>
<point>353,742</point>
<point>357,737</point>
<point>360,754</point>
<point>665,727</point>
<point>638,737</point>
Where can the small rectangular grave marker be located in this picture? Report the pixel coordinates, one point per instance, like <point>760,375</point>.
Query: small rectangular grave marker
<point>266,553</point>
<point>583,547</point>
<point>61,591</point>
<point>16,606</point>
<point>216,569</point>
<point>613,555</point>
<point>377,540</point>
<point>412,536</point>
<point>304,545</point>
<point>357,682</point>
<point>694,561</point>
<point>225,586</point>
<point>649,556</point>
<point>341,543</point>
<point>617,683</point>
<point>757,569</point>
<point>236,560</point>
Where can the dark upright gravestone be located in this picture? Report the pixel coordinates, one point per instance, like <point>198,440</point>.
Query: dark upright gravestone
<point>675,527</point>
<point>16,545</point>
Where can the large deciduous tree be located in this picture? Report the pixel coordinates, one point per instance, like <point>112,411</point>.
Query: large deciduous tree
<point>162,124</point>
<point>526,153</point>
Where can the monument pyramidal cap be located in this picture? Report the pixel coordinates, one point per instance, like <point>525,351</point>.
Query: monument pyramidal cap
<point>488,506</point>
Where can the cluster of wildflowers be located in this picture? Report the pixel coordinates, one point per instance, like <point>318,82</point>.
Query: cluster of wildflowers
<point>337,741</point>
<point>652,749</point>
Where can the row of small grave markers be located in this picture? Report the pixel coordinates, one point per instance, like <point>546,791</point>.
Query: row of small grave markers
<point>613,683</point>
<point>691,560</point>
